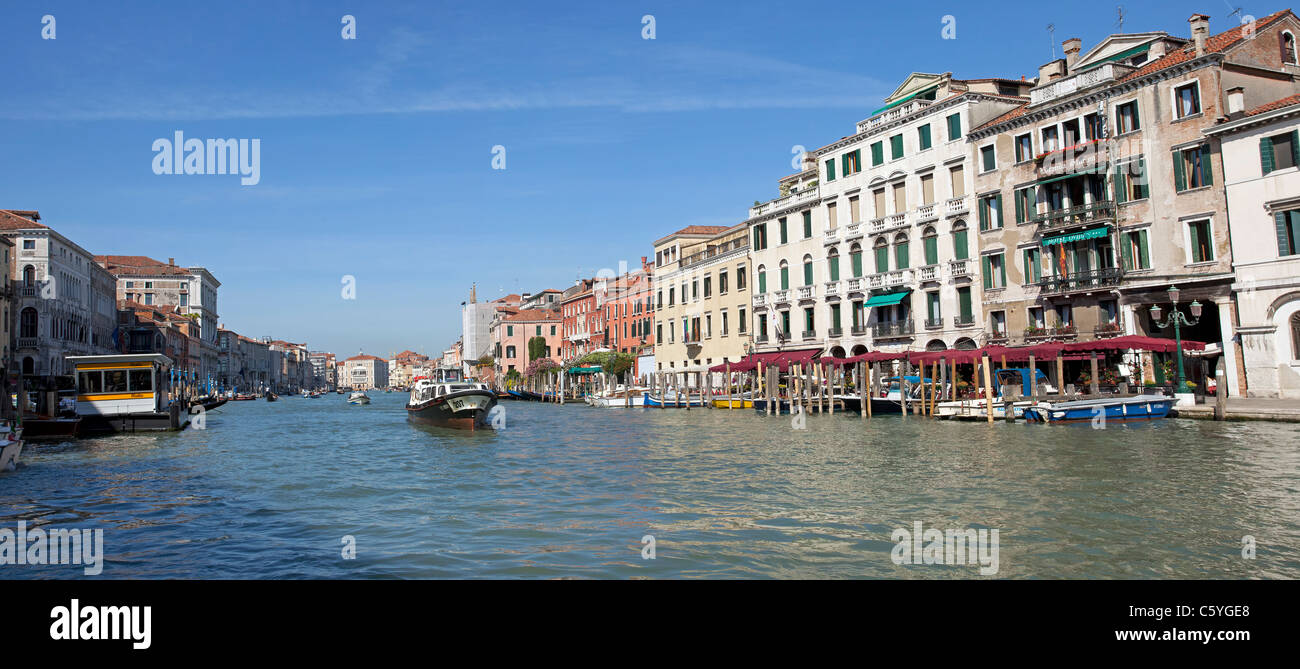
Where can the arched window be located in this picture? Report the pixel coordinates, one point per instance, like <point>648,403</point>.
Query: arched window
<point>762,280</point>
<point>807,271</point>
<point>28,320</point>
<point>833,263</point>
<point>855,257</point>
<point>882,255</point>
<point>930,240</point>
<point>785,275</point>
<point>1295,336</point>
<point>960,249</point>
<point>902,256</point>
<point>1288,49</point>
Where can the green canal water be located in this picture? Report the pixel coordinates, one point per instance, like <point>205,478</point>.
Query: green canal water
<point>270,490</point>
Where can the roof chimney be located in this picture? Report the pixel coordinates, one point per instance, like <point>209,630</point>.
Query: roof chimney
<point>171,262</point>
<point>1072,47</point>
<point>1158,49</point>
<point>1051,72</point>
<point>1200,24</point>
<point>1236,100</point>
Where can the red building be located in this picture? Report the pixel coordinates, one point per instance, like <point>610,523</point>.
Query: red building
<point>627,311</point>
<point>580,320</point>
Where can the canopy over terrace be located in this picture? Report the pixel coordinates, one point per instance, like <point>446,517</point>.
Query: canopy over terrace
<point>782,360</point>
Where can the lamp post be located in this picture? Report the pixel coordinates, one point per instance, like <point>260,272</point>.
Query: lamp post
<point>1177,320</point>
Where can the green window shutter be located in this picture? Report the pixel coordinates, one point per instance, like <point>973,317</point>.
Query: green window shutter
<point>1004,272</point>
<point>762,282</point>
<point>807,274</point>
<point>901,256</point>
<point>1029,267</point>
<point>1284,243</point>
<point>1207,165</point>
<point>1117,184</point>
<point>1126,250</point>
<point>925,136</point>
<point>857,159</point>
<point>896,146</point>
<point>785,278</point>
<point>784,236</point>
<point>987,272</point>
<point>1196,241</point>
<point>1295,147</point>
<point>1143,257</point>
<point>954,127</point>
<point>877,153</point>
<point>1031,201</point>
<point>998,199</point>
<point>830,169</point>
<point>959,245</point>
<point>984,214</point>
<point>1266,155</point>
<point>1144,188</point>
<point>835,316</point>
<point>932,250</point>
<point>1180,176</point>
<point>844,165</point>
<point>882,259</point>
<point>807,224</point>
<point>963,302</point>
<point>857,264</point>
<point>1020,208</point>
<point>834,262</point>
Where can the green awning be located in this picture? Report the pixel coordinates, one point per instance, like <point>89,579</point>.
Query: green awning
<point>887,300</point>
<point>899,102</point>
<point>585,370</point>
<point>1095,233</point>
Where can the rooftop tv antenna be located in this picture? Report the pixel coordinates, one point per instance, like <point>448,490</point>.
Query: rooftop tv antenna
<point>1235,11</point>
<point>1051,31</point>
<point>1119,21</point>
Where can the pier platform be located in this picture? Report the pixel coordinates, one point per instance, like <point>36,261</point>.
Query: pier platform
<point>1247,408</point>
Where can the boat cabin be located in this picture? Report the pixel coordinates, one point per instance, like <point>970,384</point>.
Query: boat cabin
<point>112,385</point>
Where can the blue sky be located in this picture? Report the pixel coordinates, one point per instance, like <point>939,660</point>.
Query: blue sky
<point>376,153</point>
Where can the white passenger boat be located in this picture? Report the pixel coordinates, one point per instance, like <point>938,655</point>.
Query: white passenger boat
<point>359,397</point>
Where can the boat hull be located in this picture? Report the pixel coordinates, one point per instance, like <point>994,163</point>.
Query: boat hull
<point>670,403</point>
<point>1145,407</point>
<point>465,410</point>
<point>617,402</point>
<point>735,403</point>
<point>9,452</point>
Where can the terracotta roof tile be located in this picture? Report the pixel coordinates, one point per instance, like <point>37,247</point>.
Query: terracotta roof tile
<point>15,219</point>
<point>1215,44</point>
<point>1274,105</point>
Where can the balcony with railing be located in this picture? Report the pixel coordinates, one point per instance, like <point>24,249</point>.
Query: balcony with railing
<point>760,300</point>
<point>959,268</point>
<point>832,236</point>
<point>894,330</point>
<point>809,334</point>
<point>806,292</point>
<point>1079,82</point>
<point>1081,282</point>
<point>27,342</point>
<point>998,337</point>
<point>1076,217</point>
<point>832,289</point>
<point>1108,330</point>
<point>927,213</point>
<point>835,333</point>
<point>934,323</point>
<point>961,322</point>
<point>853,285</point>
<point>780,296</point>
<point>760,339</point>
<point>1074,160</point>
<point>737,244</point>
<point>893,114</point>
<point>793,199</point>
<point>853,231</point>
<point>859,330</point>
<point>1059,332</point>
<point>887,224</point>
<point>956,206</point>
<point>929,273</point>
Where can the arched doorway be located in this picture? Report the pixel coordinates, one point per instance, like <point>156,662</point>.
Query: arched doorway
<point>936,345</point>
<point>859,350</point>
<point>837,352</point>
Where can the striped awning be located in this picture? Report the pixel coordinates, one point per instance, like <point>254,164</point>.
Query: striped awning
<point>1095,233</point>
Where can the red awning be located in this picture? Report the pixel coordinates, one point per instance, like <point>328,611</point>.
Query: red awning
<point>782,359</point>
<point>1134,342</point>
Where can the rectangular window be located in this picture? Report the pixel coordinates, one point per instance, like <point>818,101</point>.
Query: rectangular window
<point>995,272</point>
<point>510,330</point>
<point>835,316</point>
<point>1051,141</point>
<point>1024,148</point>
<point>923,136</point>
<point>1070,129</point>
<point>1187,100</point>
<point>855,211</point>
<point>760,237</point>
<point>1275,153</point>
<point>1127,119</point>
<point>782,228</point>
<point>1200,240</point>
<point>724,324</point>
<point>1092,126</point>
<point>708,287</point>
<point>740,277</point>
<point>722,282</point>
<point>896,147</point>
<point>830,169</point>
<point>851,163</point>
<point>957,181</point>
<point>927,189</point>
<point>807,225</point>
<point>1033,266</point>
<point>954,127</point>
<point>740,324</point>
<point>990,212</point>
<point>695,289</point>
<point>1131,181</point>
<point>877,153</point>
<point>878,196</point>
<point>1288,232</point>
<point>933,312</point>
<point>964,304</point>
<point>988,158</point>
<point>1192,168</point>
<point>1026,204</point>
<point>809,325</point>
<point>900,197</point>
<point>832,217</point>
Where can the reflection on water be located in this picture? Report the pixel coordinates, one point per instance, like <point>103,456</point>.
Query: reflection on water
<point>270,489</point>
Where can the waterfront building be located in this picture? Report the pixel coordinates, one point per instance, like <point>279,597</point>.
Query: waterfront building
<point>546,299</point>
<point>702,299</point>
<point>63,299</point>
<point>365,372</point>
<point>1102,191</point>
<point>627,302</point>
<point>402,367</point>
<point>578,320</point>
<point>192,290</point>
<point>6,302</point>
<point>322,370</point>
<point>515,333</point>
<point>871,245</point>
<point>1261,165</point>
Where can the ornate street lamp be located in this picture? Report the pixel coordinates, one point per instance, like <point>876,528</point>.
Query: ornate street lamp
<point>1177,320</point>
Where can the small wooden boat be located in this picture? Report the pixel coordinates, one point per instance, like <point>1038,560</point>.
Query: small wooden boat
<point>671,401</point>
<point>1141,407</point>
<point>634,398</point>
<point>359,397</point>
<point>11,446</point>
<point>735,402</point>
<point>244,398</point>
<point>271,397</point>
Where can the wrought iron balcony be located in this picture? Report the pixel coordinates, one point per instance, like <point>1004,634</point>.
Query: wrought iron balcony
<point>859,330</point>
<point>1108,330</point>
<point>1083,215</point>
<point>963,321</point>
<point>1081,282</point>
<point>893,330</point>
<point>809,334</point>
<point>1044,334</point>
<point>934,323</point>
<point>760,339</point>
<point>836,332</point>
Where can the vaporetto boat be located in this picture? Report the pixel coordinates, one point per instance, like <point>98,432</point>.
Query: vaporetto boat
<point>447,400</point>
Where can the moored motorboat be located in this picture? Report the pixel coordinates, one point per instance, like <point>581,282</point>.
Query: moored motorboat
<point>623,398</point>
<point>271,397</point>
<point>672,400</point>
<point>447,400</point>
<point>359,397</point>
<point>11,446</point>
<point>1140,407</point>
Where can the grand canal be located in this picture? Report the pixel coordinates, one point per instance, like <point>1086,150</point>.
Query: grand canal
<point>269,490</point>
